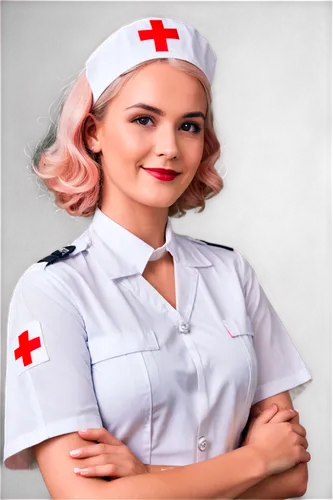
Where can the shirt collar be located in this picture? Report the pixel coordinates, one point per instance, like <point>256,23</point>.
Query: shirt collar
<point>122,253</point>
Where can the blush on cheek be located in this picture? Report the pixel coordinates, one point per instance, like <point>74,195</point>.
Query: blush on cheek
<point>136,152</point>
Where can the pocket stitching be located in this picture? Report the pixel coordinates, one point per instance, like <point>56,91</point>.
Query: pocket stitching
<point>235,333</point>
<point>147,342</point>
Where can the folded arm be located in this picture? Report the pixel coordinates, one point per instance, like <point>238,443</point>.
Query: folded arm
<point>291,483</point>
<point>243,468</point>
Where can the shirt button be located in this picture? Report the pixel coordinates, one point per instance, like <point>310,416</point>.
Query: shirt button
<point>184,328</point>
<point>202,444</point>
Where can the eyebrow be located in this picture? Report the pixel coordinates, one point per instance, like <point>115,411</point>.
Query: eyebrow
<point>147,107</point>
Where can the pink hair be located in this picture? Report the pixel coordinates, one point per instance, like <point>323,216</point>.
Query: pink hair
<point>74,174</point>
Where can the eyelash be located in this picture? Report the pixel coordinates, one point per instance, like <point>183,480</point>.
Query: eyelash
<point>136,120</point>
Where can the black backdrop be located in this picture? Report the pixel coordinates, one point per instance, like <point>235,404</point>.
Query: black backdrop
<point>273,111</point>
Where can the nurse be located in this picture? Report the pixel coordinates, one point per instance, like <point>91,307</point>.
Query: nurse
<point>161,344</point>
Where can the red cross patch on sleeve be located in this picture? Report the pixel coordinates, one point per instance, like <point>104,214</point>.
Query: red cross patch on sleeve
<point>29,347</point>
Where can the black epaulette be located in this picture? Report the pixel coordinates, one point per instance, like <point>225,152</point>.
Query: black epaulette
<point>61,254</point>
<point>217,245</point>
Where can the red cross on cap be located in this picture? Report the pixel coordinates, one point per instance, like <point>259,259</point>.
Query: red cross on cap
<point>159,34</point>
<point>25,347</point>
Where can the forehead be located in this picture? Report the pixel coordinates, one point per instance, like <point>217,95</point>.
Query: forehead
<point>161,83</point>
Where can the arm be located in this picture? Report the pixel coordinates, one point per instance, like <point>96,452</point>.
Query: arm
<point>160,468</point>
<point>291,483</point>
<point>242,468</point>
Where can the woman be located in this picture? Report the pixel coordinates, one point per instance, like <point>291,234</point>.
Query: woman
<point>163,345</point>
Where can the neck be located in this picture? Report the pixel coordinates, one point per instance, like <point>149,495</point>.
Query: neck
<point>148,224</point>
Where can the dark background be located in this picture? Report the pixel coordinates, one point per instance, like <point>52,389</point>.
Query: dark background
<point>273,112</point>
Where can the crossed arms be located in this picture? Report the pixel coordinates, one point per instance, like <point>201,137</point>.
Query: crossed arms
<point>244,475</point>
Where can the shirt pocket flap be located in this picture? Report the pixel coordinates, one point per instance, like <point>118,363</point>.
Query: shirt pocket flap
<point>117,344</point>
<point>239,326</point>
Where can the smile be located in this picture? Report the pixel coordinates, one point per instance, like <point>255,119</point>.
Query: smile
<point>161,174</point>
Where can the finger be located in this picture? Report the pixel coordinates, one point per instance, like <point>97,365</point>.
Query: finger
<point>284,415</point>
<point>295,420</point>
<point>299,429</point>
<point>120,469</point>
<point>305,443</point>
<point>302,441</point>
<point>93,450</point>
<point>308,457</point>
<point>97,471</point>
<point>266,415</point>
<point>101,435</point>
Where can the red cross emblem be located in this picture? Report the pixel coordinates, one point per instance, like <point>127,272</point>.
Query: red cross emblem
<point>159,34</point>
<point>25,347</point>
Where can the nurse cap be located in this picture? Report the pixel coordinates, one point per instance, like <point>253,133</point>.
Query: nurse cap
<point>144,40</point>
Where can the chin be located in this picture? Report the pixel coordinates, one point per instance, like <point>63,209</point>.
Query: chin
<point>156,202</point>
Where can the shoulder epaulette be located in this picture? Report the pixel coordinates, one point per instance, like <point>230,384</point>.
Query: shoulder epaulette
<point>61,254</point>
<point>217,245</point>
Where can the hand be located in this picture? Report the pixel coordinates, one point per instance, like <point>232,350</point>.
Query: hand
<point>109,457</point>
<point>284,415</point>
<point>281,443</point>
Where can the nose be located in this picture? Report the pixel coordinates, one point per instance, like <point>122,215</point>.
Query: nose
<point>166,143</point>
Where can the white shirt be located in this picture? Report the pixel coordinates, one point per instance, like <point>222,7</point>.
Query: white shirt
<point>97,346</point>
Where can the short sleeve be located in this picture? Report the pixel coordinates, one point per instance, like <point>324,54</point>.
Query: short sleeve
<point>48,389</point>
<point>280,366</point>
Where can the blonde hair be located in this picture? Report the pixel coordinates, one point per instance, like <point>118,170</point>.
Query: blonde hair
<point>74,174</point>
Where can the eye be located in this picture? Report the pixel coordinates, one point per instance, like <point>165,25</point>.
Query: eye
<point>196,127</point>
<point>142,120</point>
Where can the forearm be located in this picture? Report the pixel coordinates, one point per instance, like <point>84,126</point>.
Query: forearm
<point>291,483</point>
<point>224,476</point>
<point>160,468</point>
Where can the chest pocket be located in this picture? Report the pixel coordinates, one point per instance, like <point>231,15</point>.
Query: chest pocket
<point>241,339</point>
<point>240,330</point>
<point>124,374</point>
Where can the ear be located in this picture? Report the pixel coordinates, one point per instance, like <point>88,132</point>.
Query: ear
<point>91,134</point>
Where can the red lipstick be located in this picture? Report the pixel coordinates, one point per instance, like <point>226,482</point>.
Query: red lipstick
<point>163,174</point>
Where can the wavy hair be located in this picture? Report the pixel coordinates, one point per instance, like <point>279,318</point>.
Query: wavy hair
<point>74,173</point>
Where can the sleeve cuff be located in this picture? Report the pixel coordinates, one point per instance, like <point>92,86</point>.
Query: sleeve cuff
<point>18,453</point>
<point>295,383</point>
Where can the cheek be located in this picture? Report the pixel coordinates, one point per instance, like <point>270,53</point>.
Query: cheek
<point>123,144</point>
<point>134,141</point>
<point>193,154</point>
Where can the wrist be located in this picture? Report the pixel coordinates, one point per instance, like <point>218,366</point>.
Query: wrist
<point>259,458</point>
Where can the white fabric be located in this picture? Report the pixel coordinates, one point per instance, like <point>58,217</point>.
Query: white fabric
<point>124,49</point>
<point>175,385</point>
<point>158,253</point>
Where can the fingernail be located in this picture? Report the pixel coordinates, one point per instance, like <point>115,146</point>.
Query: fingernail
<point>75,452</point>
<point>83,430</point>
<point>80,471</point>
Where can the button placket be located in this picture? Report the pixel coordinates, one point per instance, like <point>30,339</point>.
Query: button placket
<point>187,280</point>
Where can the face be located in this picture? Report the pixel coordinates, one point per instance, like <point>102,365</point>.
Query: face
<point>146,127</point>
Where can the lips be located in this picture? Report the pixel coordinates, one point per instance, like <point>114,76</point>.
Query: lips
<point>164,171</point>
<point>162,174</point>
